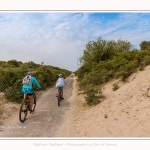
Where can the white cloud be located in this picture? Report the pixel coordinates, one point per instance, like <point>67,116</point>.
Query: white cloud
<point>59,38</point>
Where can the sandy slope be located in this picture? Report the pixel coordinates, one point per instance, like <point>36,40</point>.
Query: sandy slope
<point>127,110</point>
<point>7,109</point>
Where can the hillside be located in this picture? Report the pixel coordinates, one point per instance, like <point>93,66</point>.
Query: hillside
<point>123,113</point>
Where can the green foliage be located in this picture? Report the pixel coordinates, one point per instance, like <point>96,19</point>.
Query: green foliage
<point>12,73</point>
<point>91,95</point>
<point>13,63</point>
<point>13,94</point>
<point>102,50</point>
<point>115,86</point>
<point>104,60</point>
<point>145,45</point>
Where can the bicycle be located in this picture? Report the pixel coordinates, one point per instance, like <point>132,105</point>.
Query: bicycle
<point>59,97</point>
<point>25,107</point>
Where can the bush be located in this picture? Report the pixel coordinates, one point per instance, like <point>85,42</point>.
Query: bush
<point>115,86</point>
<point>91,96</point>
<point>11,77</point>
<point>104,60</point>
<point>14,94</point>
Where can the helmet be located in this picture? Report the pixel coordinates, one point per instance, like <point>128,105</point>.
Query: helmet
<point>60,75</point>
<point>30,73</point>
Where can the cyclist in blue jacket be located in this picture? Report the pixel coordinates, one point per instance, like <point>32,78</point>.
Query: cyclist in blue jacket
<point>28,89</point>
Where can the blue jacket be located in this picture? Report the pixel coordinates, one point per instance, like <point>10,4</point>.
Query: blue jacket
<point>33,81</point>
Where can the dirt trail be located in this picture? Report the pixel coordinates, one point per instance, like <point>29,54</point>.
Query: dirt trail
<point>46,120</point>
<point>122,113</point>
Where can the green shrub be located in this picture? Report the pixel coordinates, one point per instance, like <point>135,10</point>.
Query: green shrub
<point>146,60</point>
<point>14,94</point>
<point>115,86</point>
<point>91,96</point>
<point>13,72</point>
<point>104,60</point>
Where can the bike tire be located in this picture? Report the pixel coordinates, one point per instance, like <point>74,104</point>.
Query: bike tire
<point>59,98</point>
<point>23,111</point>
<point>34,101</point>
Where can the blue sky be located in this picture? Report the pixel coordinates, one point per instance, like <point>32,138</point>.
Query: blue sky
<point>59,38</point>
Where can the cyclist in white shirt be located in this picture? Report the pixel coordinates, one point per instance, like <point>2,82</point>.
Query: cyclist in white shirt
<point>60,83</point>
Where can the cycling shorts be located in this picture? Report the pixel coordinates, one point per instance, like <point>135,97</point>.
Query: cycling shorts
<point>60,87</point>
<point>27,91</point>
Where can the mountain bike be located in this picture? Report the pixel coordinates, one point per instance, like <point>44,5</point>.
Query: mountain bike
<point>25,107</point>
<point>59,97</point>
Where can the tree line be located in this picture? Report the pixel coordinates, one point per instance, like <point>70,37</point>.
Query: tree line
<point>12,73</point>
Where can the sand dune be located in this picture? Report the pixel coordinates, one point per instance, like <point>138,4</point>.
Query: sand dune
<point>123,113</point>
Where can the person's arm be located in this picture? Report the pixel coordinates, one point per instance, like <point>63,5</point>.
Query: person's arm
<point>36,82</point>
<point>65,82</point>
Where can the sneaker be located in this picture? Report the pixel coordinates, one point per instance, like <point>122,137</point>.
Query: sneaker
<point>31,111</point>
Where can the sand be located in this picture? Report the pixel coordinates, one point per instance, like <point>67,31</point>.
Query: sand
<point>122,113</point>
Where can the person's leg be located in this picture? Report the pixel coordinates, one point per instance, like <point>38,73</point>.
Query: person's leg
<point>56,91</point>
<point>31,101</point>
<point>62,93</point>
<point>24,96</point>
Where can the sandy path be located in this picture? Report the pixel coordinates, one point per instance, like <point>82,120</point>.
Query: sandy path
<point>46,120</point>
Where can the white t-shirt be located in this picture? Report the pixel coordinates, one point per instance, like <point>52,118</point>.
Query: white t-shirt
<point>60,82</point>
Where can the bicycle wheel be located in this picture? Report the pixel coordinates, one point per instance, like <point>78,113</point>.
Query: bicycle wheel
<point>23,111</point>
<point>59,98</point>
<point>34,102</point>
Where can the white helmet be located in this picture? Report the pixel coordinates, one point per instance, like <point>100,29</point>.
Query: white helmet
<point>60,75</point>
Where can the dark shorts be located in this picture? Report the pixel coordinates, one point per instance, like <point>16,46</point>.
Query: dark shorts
<point>30,94</point>
<point>27,91</point>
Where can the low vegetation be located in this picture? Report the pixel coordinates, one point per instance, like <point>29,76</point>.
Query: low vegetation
<point>104,60</point>
<point>12,73</point>
<point>115,86</point>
